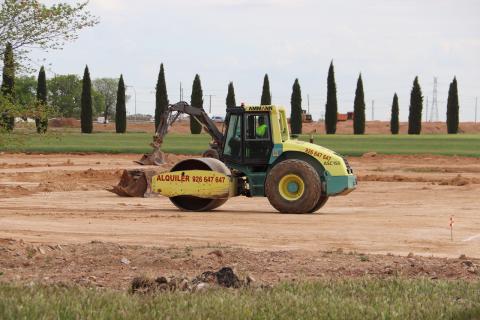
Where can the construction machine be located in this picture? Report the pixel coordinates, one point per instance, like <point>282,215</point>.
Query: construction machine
<point>254,156</point>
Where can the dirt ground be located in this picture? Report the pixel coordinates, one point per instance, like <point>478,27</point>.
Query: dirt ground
<point>343,127</point>
<point>59,224</point>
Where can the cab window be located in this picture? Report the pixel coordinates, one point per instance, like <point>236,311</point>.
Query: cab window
<point>257,127</point>
<point>258,143</point>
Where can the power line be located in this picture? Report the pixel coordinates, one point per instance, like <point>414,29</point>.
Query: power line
<point>210,102</point>
<point>181,92</point>
<point>426,116</point>
<point>308,103</point>
<point>434,112</point>
<point>373,110</point>
<point>476,104</point>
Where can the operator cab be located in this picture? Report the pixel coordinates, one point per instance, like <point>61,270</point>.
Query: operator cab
<point>248,137</point>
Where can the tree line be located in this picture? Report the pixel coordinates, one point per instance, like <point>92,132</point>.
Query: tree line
<point>31,24</point>
<point>67,96</point>
<point>331,106</point>
<point>63,95</point>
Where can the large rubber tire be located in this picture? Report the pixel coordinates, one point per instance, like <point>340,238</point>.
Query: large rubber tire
<point>304,176</point>
<point>191,203</point>
<point>321,202</point>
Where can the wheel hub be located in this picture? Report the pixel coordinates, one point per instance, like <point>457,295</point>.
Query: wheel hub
<point>291,187</point>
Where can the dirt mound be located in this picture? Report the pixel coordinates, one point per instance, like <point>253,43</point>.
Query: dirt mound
<point>5,165</point>
<point>343,127</point>
<point>225,277</point>
<point>14,191</point>
<point>51,181</point>
<point>383,127</point>
<point>459,180</point>
<point>64,123</point>
<point>100,264</point>
<point>443,170</point>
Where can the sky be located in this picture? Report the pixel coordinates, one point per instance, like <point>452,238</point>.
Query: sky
<point>388,41</point>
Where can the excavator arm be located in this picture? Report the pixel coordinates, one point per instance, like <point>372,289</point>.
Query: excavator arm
<point>137,183</point>
<point>173,112</point>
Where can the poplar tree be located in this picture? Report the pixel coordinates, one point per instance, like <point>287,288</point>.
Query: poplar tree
<point>230,101</point>
<point>266,95</point>
<point>7,90</point>
<point>296,108</point>
<point>161,97</point>
<point>121,108</point>
<point>331,107</point>
<point>196,100</point>
<point>359,108</point>
<point>416,106</point>
<point>41,119</point>
<point>394,121</point>
<point>452,108</point>
<point>86,103</point>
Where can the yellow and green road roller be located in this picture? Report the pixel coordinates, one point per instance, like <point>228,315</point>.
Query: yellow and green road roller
<point>254,156</point>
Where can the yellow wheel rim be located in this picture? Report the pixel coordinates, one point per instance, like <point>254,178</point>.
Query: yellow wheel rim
<point>291,187</point>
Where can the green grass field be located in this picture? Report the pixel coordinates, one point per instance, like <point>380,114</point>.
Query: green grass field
<point>461,145</point>
<point>328,299</point>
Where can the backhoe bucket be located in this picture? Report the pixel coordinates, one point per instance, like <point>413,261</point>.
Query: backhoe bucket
<point>134,183</point>
<point>157,157</point>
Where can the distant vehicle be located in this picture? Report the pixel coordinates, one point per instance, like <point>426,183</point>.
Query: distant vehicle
<point>306,117</point>
<point>29,120</point>
<point>344,116</point>
<point>217,118</point>
<point>102,120</point>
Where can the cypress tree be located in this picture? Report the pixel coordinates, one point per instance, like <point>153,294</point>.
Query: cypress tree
<point>161,97</point>
<point>359,108</point>
<point>86,103</point>
<point>296,108</point>
<point>120,108</point>
<point>331,106</point>
<point>197,102</point>
<point>416,106</point>
<point>41,119</point>
<point>452,108</point>
<point>266,95</point>
<point>230,101</point>
<point>394,121</point>
<point>7,89</point>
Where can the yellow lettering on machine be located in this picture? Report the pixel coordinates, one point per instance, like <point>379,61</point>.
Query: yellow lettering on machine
<point>198,183</point>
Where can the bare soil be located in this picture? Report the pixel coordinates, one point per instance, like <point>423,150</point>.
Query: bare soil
<point>343,127</point>
<point>59,224</point>
<point>115,266</point>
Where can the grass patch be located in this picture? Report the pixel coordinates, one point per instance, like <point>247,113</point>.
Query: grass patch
<point>138,142</point>
<point>356,145</point>
<point>328,299</point>
<point>106,142</point>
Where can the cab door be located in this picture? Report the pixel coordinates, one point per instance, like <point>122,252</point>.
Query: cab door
<point>257,138</point>
<point>233,144</point>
